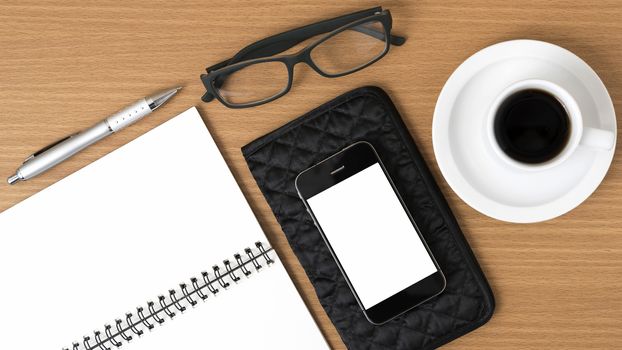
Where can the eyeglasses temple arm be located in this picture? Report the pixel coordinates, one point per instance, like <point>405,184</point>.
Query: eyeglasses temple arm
<point>281,42</point>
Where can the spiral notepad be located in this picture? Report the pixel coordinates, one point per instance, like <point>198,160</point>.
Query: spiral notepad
<point>91,253</point>
<point>157,314</point>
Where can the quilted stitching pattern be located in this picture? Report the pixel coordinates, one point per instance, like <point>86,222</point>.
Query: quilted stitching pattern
<point>367,114</point>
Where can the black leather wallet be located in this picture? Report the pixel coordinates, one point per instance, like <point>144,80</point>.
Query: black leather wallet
<point>368,114</point>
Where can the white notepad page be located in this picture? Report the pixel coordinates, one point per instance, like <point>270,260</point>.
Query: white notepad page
<point>131,226</point>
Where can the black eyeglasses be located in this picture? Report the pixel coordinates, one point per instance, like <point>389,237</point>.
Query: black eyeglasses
<point>254,76</point>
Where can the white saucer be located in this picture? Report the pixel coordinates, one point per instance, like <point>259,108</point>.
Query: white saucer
<point>465,157</point>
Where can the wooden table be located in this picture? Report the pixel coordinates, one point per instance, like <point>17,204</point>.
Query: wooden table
<point>66,65</point>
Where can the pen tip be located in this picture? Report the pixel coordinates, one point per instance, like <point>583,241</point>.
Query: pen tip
<point>161,97</point>
<point>13,179</point>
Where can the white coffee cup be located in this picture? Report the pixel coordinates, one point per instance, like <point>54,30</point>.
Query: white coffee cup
<point>580,136</point>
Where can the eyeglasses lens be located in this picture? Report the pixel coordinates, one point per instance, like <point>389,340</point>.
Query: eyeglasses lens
<point>351,49</point>
<point>254,83</point>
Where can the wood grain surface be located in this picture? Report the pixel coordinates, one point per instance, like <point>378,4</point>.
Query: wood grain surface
<point>67,64</point>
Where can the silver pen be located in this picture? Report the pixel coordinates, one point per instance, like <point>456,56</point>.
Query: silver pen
<point>52,155</point>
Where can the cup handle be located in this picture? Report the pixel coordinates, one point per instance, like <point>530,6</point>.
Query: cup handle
<point>598,139</point>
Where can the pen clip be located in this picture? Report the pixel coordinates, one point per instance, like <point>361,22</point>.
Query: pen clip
<point>49,146</point>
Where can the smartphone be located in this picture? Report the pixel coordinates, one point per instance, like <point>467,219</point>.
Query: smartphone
<point>370,232</point>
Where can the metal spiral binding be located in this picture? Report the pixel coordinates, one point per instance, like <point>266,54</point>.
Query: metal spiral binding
<point>123,331</point>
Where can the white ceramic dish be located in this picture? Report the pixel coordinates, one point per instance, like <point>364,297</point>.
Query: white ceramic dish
<point>475,172</point>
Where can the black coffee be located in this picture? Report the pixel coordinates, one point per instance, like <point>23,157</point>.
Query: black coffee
<point>531,126</point>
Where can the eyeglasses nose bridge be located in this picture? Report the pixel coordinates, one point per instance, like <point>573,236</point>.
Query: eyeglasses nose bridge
<point>302,56</point>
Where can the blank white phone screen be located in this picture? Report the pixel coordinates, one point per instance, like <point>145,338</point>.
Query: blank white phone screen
<point>371,236</point>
